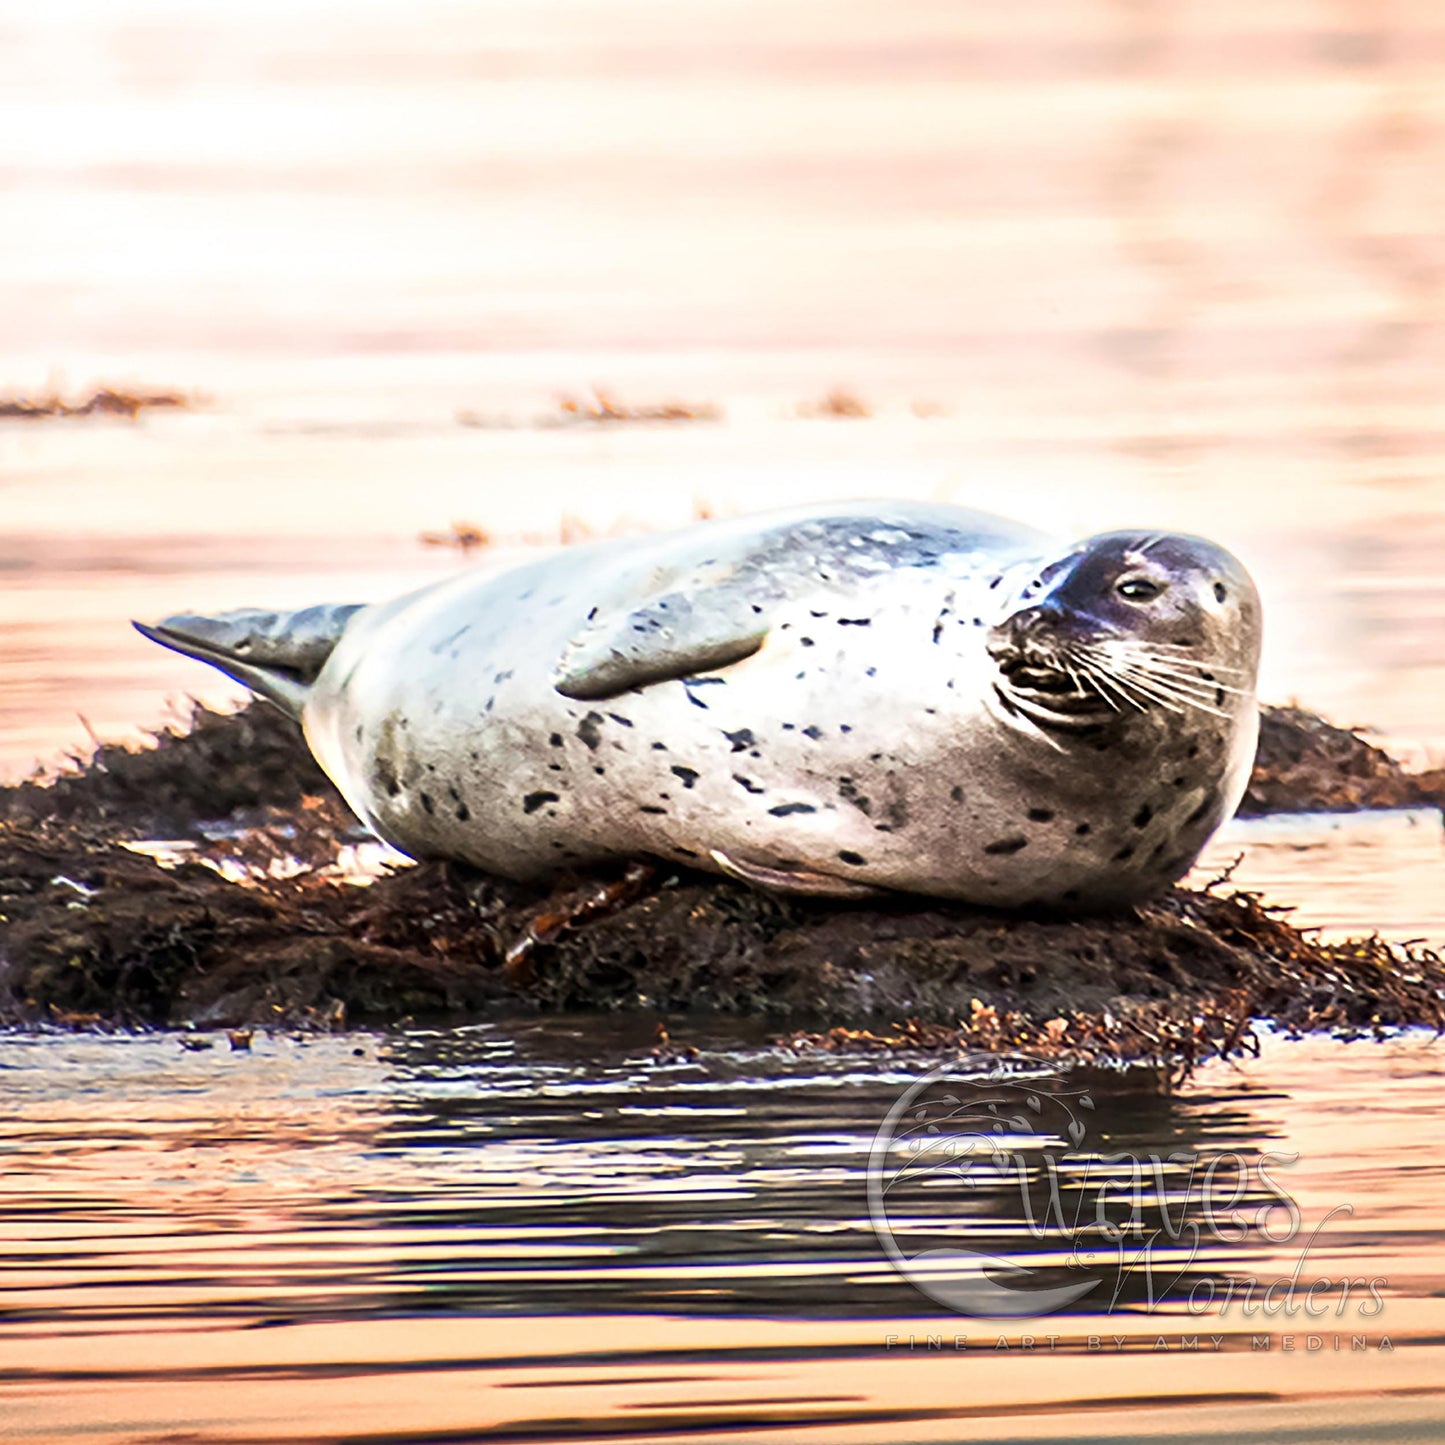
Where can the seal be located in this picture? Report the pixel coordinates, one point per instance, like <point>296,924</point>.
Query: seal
<point>834,701</point>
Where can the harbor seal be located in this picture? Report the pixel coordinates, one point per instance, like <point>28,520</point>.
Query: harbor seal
<point>834,701</point>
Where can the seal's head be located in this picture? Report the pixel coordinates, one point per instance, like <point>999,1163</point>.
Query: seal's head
<point>1128,627</point>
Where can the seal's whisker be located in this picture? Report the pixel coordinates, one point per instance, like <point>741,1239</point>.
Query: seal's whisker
<point>1105,683</point>
<point>1147,690</point>
<point>1169,651</point>
<point>1169,659</point>
<point>1203,685</point>
<point>1080,685</point>
<point>1096,684</point>
<point>1139,661</point>
<point>1167,692</point>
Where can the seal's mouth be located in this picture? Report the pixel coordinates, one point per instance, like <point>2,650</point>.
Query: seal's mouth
<point>1051,694</point>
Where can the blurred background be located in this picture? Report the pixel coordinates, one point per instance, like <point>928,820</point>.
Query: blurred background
<point>1091,263</point>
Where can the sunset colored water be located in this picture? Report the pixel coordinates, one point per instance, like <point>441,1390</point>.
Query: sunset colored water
<point>1091,264</point>
<point>533,1232</point>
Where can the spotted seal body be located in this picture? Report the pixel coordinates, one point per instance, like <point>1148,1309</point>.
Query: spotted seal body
<point>871,697</point>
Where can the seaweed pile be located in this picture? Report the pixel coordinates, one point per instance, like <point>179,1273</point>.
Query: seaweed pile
<point>603,409</point>
<point>1306,765</point>
<point>108,401</point>
<point>93,933</point>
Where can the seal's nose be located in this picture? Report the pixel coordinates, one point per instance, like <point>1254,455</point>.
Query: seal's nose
<point>1026,634</point>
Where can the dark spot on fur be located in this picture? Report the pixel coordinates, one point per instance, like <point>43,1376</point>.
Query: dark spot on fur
<point>618,718</point>
<point>1083,830</point>
<point>1006,846</point>
<point>600,770</point>
<point>1179,782</point>
<point>741,740</point>
<point>813,731</point>
<point>1197,816</point>
<point>848,790</point>
<point>1041,815</point>
<point>358,732</point>
<point>555,740</point>
<point>956,793</point>
<point>689,776</point>
<point>503,677</point>
<point>870,672</point>
<point>1219,593</point>
<point>784,810</point>
<point>589,731</point>
<point>855,622</point>
<point>687,852</point>
<point>555,768</point>
<point>426,802</point>
<point>386,776</point>
<point>856,859</point>
<point>1124,855</point>
<point>1219,697</point>
<point>649,808</point>
<point>464,813</point>
<point>533,801</point>
<point>806,641</point>
<point>1193,751</point>
<point>748,783</point>
<point>1144,816</point>
<point>659,747</point>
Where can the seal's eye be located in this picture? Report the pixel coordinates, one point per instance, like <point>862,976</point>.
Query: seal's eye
<point>1138,589</point>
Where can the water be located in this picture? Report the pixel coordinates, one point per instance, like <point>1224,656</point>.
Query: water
<point>1093,265</point>
<point>533,1230</point>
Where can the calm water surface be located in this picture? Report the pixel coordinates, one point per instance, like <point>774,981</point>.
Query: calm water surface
<point>532,1232</point>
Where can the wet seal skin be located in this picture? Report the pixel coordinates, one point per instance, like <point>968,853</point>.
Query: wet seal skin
<point>835,701</point>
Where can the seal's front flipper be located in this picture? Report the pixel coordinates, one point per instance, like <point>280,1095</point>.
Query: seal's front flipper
<point>798,882</point>
<point>674,635</point>
<point>275,654</point>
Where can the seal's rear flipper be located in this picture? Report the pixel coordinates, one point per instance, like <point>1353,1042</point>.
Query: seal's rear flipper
<point>276,654</point>
<point>796,881</point>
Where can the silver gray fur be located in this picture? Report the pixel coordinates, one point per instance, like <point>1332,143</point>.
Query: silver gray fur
<point>832,701</point>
